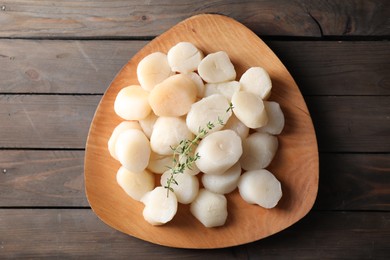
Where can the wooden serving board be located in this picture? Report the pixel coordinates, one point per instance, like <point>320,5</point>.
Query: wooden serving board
<point>295,164</point>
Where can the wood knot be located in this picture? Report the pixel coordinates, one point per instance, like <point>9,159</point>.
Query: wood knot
<point>32,74</point>
<point>62,55</point>
<point>348,26</point>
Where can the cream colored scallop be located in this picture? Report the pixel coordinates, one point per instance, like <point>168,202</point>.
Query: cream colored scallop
<point>257,81</point>
<point>224,183</point>
<point>184,57</point>
<point>187,186</point>
<point>258,151</point>
<point>174,96</point>
<point>152,70</point>
<point>159,163</point>
<point>133,150</point>
<point>167,134</point>
<point>136,185</point>
<point>208,110</point>
<point>225,88</point>
<point>218,152</point>
<point>275,115</point>
<point>160,206</point>
<point>260,187</point>
<point>210,208</point>
<point>237,126</point>
<point>249,109</point>
<point>216,67</point>
<point>148,123</point>
<point>125,125</point>
<point>198,82</point>
<point>132,103</point>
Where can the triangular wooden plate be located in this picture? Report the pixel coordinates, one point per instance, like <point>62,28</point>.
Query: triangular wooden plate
<point>295,165</point>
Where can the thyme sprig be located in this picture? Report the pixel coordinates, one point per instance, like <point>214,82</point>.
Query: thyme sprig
<point>182,154</point>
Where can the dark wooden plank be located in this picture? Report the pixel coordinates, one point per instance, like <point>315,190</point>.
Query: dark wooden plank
<point>351,124</point>
<point>320,68</point>
<point>330,235</point>
<point>87,18</point>
<point>354,182</point>
<point>343,124</point>
<point>55,178</point>
<point>57,233</point>
<point>42,178</point>
<point>62,66</point>
<point>350,17</point>
<point>337,68</point>
<point>45,121</point>
<point>76,233</point>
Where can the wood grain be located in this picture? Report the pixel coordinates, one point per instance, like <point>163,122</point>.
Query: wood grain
<point>74,67</point>
<point>78,233</point>
<point>138,18</point>
<point>45,121</point>
<point>351,18</point>
<point>337,67</point>
<point>55,178</point>
<point>304,34</point>
<point>351,124</point>
<point>343,124</point>
<point>354,182</point>
<point>320,68</point>
<point>330,235</point>
<point>42,178</point>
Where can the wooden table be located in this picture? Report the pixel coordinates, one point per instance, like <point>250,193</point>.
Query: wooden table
<point>58,57</point>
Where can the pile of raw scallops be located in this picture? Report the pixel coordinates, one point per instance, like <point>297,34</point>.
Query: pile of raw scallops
<point>180,94</point>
